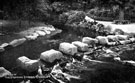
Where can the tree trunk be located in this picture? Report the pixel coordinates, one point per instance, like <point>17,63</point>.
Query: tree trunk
<point>121,15</point>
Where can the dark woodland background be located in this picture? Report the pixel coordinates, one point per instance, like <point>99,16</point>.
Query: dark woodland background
<point>45,10</point>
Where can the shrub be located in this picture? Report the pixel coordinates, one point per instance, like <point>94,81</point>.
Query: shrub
<point>63,18</point>
<point>76,16</point>
<point>60,7</point>
<point>71,17</point>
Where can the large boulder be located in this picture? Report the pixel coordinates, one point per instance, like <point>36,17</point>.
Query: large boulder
<point>68,48</point>
<point>51,55</point>
<point>89,41</point>
<point>4,72</point>
<point>81,46</point>
<point>28,64</point>
<point>102,40</point>
<point>17,42</point>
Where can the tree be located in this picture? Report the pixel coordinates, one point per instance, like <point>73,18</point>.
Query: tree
<point>123,5</point>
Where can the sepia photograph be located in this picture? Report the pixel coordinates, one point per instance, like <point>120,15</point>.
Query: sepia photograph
<point>67,41</point>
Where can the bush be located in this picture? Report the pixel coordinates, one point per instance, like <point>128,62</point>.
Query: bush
<point>63,18</point>
<point>76,16</point>
<point>60,7</point>
<point>103,14</point>
<point>71,17</point>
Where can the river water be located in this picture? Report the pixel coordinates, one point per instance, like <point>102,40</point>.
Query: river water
<point>93,73</point>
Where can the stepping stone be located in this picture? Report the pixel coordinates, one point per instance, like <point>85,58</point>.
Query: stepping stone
<point>51,27</point>
<point>81,46</point>
<point>130,62</point>
<point>132,39</point>
<point>4,72</point>
<point>117,59</point>
<point>41,33</point>
<point>113,38</point>
<point>35,34</point>
<point>28,64</point>
<point>123,42</point>
<point>47,31</point>
<point>122,37</point>
<point>112,43</point>
<point>68,48</point>
<point>32,36</point>
<point>17,42</point>
<point>51,55</point>
<point>89,40</point>
<point>102,40</point>
<point>4,45</point>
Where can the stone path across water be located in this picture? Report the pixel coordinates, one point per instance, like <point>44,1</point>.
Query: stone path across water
<point>24,47</point>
